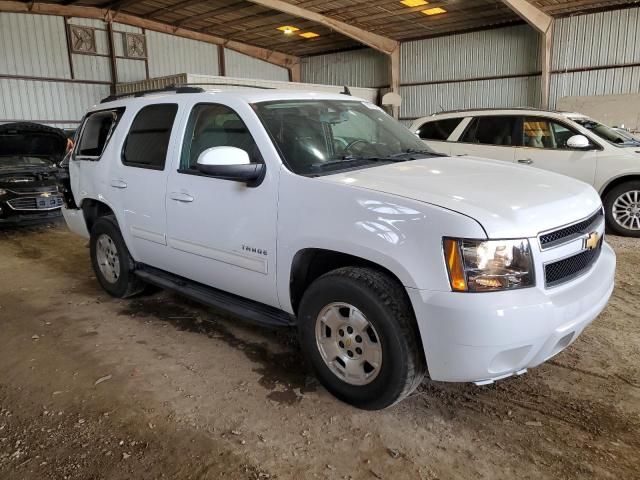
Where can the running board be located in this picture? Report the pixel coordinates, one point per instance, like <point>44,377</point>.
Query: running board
<point>254,312</point>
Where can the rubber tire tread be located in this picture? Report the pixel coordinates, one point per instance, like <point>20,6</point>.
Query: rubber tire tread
<point>392,298</point>
<point>128,283</point>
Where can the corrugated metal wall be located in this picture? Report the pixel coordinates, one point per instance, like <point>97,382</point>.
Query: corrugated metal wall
<point>489,68</point>
<point>243,66</point>
<point>358,68</point>
<point>597,54</point>
<point>169,55</point>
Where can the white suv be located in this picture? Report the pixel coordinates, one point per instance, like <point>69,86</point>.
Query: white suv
<point>321,211</point>
<point>567,143</point>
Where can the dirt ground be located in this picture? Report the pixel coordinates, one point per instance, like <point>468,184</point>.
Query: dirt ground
<point>159,387</point>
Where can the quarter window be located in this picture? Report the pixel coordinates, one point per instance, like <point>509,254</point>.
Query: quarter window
<point>96,131</point>
<point>214,125</point>
<point>438,130</point>
<point>148,139</point>
<point>543,133</point>
<point>491,130</point>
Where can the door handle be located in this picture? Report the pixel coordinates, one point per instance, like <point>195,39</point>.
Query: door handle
<point>118,184</point>
<point>181,197</point>
<point>526,161</point>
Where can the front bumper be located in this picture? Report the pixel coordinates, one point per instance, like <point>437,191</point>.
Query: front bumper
<point>487,336</point>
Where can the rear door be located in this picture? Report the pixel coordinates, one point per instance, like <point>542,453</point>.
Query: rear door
<point>435,133</point>
<point>488,136</point>
<point>139,181</point>
<point>544,145</point>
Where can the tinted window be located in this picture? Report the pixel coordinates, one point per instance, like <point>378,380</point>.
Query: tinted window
<point>212,125</point>
<point>543,133</point>
<point>491,131</point>
<point>96,131</point>
<point>148,140</point>
<point>438,130</point>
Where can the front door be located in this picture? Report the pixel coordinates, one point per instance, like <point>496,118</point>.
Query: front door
<point>222,233</point>
<point>544,145</point>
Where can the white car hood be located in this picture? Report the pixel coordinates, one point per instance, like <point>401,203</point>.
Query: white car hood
<point>509,201</point>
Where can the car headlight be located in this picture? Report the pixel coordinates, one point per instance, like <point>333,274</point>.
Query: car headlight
<point>488,265</point>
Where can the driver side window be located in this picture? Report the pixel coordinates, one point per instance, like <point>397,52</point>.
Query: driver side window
<point>543,133</point>
<point>214,125</point>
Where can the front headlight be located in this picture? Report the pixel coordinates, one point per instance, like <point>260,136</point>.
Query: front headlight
<point>488,265</point>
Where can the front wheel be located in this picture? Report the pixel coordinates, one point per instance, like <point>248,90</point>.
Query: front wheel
<point>622,208</point>
<point>358,331</point>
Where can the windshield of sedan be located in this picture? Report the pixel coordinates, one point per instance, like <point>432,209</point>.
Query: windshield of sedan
<point>609,134</point>
<point>317,137</point>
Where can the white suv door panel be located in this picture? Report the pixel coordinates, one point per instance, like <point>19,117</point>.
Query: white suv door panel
<point>137,180</point>
<point>488,137</point>
<point>222,233</point>
<point>544,146</point>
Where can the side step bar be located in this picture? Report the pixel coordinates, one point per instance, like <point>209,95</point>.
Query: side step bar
<point>254,312</point>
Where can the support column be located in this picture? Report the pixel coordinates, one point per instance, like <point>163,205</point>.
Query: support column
<point>546,45</point>
<point>394,76</point>
<point>295,72</point>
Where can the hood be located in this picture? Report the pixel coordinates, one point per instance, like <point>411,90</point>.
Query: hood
<point>32,140</point>
<point>509,201</point>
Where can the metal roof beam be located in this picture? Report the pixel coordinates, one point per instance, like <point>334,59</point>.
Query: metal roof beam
<point>373,40</point>
<point>531,14</point>
<point>272,56</point>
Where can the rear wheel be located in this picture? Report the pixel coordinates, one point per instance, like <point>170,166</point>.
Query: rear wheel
<point>622,206</point>
<point>111,261</point>
<point>358,331</point>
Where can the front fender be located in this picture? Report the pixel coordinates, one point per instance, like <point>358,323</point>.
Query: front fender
<point>401,235</point>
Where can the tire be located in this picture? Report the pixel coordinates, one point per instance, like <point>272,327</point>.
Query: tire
<point>386,309</point>
<point>106,234</point>
<point>619,199</point>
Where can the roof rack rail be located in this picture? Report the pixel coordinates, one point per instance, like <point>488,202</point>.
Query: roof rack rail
<point>180,88</point>
<point>488,109</point>
<point>142,93</point>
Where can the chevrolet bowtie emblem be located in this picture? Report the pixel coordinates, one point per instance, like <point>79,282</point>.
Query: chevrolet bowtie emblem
<point>45,194</point>
<point>592,241</point>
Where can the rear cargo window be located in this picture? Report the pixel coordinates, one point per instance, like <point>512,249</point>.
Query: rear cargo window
<point>96,131</point>
<point>148,140</point>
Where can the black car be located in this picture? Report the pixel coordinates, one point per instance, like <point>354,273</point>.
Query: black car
<point>30,155</point>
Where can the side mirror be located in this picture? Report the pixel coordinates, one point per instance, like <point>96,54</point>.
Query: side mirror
<point>579,142</point>
<point>230,163</point>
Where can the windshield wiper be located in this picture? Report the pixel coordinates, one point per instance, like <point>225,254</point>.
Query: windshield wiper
<point>354,158</point>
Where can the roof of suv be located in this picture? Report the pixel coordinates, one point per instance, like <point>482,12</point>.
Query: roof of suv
<point>248,95</point>
<point>500,111</point>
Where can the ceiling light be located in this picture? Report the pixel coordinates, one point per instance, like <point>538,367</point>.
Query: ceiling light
<point>414,3</point>
<point>309,35</point>
<point>288,29</point>
<point>434,11</point>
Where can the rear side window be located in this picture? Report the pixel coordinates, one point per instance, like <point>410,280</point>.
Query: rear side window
<point>492,131</point>
<point>96,131</point>
<point>438,130</point>
<point>147,143</point>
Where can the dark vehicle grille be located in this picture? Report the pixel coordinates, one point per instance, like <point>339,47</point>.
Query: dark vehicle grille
<point>565,234</point>
<point>31,203</point>
<point>566,269</point>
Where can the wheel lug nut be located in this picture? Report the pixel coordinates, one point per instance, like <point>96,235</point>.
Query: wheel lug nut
<point>358,350</point>
<point>349,330</point>
<point>358,339</point>
<point>341,332</point>
<point>341,344</point>
<point>350,353</point>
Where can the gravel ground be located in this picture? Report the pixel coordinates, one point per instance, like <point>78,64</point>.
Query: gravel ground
<point>158,387</point>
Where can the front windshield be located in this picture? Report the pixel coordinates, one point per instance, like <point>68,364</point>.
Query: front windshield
<point>317,137</point>
<point>15,161</point>
<point>609,134</point>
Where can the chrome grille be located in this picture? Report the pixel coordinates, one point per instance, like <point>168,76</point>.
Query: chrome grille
<point>31,203</point>
<point>570,232</point>
<point>561,271</point>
